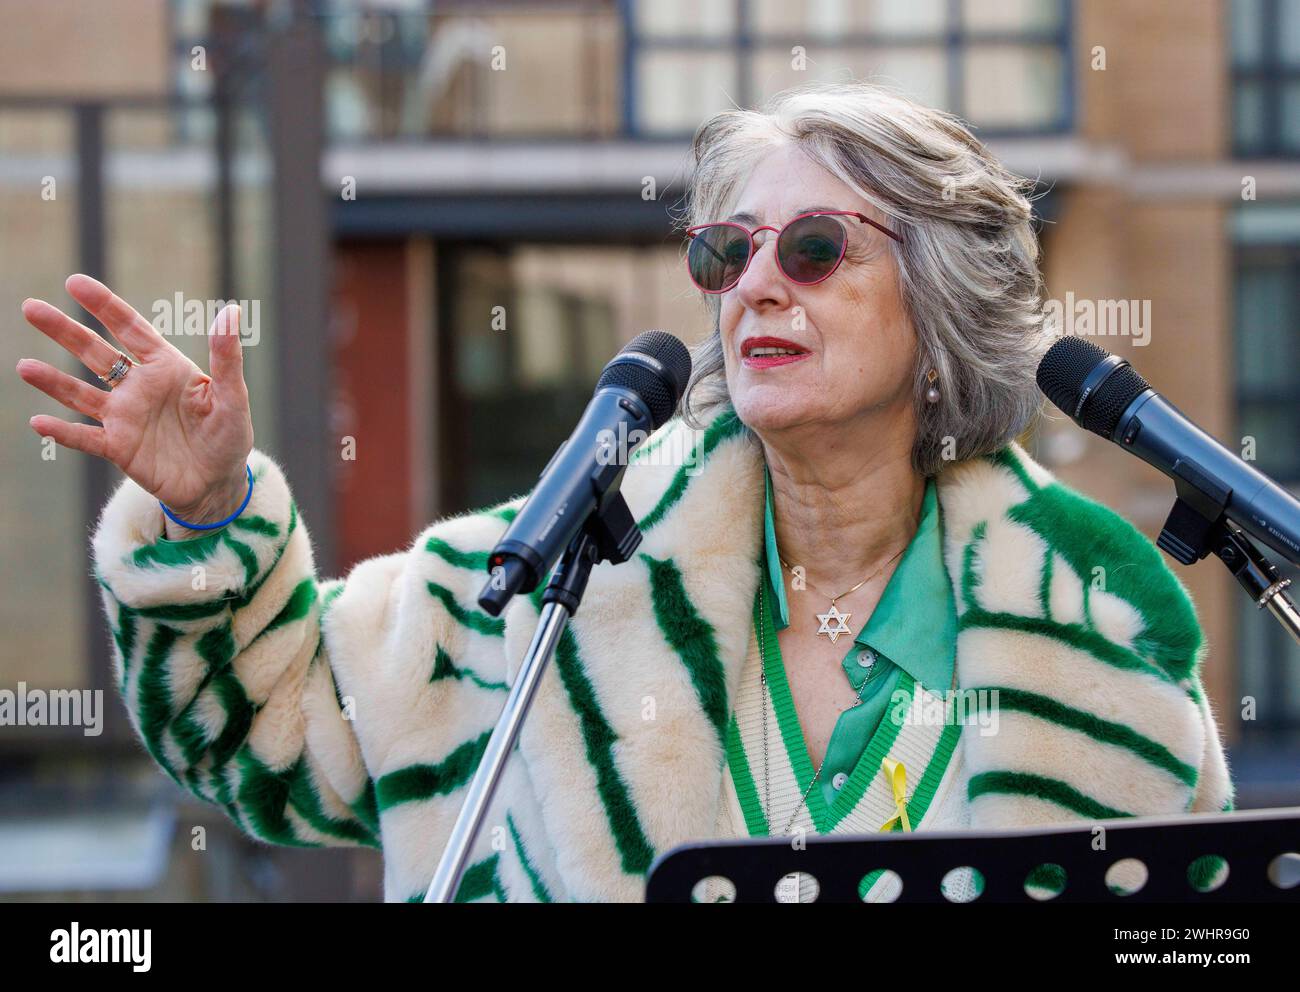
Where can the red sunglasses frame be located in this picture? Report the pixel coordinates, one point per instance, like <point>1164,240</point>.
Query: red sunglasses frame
<point>753,248</point>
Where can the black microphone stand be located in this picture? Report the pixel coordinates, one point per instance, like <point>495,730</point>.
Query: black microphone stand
<point>609,534</point>
<point>1198,525</point>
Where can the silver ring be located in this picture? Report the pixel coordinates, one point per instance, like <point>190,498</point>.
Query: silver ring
<point>118,372</point>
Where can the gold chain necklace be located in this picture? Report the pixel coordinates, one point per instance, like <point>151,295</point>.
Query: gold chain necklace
<point>833,615</point>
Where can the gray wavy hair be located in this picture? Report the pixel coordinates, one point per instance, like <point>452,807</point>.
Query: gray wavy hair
<point>968,263</point>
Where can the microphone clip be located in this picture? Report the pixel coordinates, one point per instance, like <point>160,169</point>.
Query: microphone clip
<point>1198,524</point>
<point>610,534</point>
<point>1188,533</point>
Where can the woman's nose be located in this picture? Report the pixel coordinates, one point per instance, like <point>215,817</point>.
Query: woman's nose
<point>763,285</point>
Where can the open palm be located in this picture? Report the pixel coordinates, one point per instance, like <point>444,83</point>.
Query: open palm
<point>182,434</point>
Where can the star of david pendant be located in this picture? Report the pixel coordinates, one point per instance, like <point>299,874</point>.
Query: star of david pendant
<point>833,623</point>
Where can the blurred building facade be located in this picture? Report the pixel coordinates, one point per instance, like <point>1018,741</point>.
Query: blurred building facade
<point>451,214</point>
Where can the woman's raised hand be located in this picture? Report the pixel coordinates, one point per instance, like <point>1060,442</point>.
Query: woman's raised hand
<point>182,434</point>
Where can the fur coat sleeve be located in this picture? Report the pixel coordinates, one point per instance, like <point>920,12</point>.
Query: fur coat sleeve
<point>220,658</point>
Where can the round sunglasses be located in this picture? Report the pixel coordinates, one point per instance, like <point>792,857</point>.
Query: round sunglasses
<point>808,249</point>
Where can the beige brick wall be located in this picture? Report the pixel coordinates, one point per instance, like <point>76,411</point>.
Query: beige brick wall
<point>42,553</point>
<point>83,47</point>
<point>1164,93</point>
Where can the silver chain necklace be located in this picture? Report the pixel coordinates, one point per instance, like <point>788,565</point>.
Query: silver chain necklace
<point>764,699</point>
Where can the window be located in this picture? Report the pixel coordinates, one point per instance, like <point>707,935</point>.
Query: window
<point>1003,64</point>
<point>532,68</point>
<point>1266,77</point>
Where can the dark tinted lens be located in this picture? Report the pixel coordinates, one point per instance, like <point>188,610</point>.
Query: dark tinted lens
<point>810,248</point>
<point>717,257</point>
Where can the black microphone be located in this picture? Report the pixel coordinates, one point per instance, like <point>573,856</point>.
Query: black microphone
<point>636,394</point>
<point>1103,393</point>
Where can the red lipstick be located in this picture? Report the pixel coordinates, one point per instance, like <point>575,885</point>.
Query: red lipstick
<point>771,352</point>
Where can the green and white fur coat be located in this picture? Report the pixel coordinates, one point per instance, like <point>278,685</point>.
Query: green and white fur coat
<point>354,711</point>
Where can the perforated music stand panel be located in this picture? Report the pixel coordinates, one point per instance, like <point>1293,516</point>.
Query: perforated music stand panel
<point>1250,843</point>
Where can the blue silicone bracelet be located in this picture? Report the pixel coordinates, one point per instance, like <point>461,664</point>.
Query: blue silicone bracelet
<point>220,523</point>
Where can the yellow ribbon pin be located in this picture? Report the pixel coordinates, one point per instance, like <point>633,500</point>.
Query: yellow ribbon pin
<point>896,774</point>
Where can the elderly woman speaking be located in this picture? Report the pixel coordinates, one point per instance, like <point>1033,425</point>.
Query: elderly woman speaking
<point>851,545</point>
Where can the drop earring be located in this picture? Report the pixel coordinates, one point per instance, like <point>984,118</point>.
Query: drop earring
<point>932,394</point>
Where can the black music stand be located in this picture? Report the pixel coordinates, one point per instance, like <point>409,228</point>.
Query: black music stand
<point>1261,848</point>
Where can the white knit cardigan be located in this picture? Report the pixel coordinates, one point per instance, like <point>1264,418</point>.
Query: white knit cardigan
<point>354,711</point>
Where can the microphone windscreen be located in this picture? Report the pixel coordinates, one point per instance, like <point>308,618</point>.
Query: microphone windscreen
<point>660,388</point>
<point>1063,371</point>
<point>1064,368</point>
